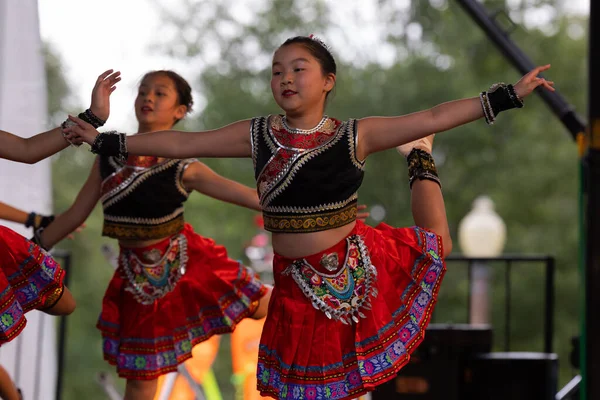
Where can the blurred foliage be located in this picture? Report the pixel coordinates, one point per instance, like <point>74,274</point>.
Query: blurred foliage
<point>527,162</point>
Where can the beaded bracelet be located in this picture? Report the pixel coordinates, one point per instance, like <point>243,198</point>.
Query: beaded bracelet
<point>499,97</point>
<point>421,166</point>
<point>89,117</point>
<point>67,124</point>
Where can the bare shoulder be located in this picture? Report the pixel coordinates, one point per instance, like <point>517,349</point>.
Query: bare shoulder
<point>194,170</point>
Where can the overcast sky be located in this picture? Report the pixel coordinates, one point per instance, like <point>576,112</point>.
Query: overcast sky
<point>118,34</point>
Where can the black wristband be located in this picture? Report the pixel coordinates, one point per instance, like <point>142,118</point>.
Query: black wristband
<point>37,221</point>
<point>112,144</point>
<point>45,220</point>
<point>30,220</point>
<point>421,166</point>
<point>500,97</point>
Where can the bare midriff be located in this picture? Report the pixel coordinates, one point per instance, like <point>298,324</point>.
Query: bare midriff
<point>132,244</point>
<point>298,245</point>
<point>290,245</point>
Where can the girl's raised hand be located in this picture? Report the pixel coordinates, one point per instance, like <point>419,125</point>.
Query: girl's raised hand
<point>105,85</point>
<point>81,132</point>
<point>529,82</point>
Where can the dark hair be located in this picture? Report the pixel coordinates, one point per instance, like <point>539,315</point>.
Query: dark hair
<point>318,50</point>
<point>184,91</point>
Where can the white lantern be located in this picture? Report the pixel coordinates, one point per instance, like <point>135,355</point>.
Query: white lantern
<point>482,233</point>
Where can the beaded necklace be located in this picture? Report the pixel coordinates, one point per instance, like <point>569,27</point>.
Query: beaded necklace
<point>304,131</point>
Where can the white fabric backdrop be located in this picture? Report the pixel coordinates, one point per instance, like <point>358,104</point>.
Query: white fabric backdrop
<point>31,358</point>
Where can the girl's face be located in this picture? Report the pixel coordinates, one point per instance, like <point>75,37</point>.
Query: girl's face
<point>297,82</point>
<point>156,105</point>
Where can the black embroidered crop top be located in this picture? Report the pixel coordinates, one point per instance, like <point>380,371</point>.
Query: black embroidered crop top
<point>142,198</point>
<point>307,181</point>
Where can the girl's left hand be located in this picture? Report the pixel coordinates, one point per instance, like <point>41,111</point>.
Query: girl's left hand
<point>529,82</point>
<point>81,132</point>
<point>105,85</point>
<point>362,215</point>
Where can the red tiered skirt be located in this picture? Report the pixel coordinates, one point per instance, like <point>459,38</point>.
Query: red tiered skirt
<point>387,279</point>
<point>165,298</point>
<point>29,279</point>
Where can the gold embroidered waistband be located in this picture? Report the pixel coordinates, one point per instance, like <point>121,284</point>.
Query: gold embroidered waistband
<point>304,223</point>
<point>142,232</point>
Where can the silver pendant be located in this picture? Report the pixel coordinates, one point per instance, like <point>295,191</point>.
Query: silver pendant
<point>152,256</point>
<point>330,262</point>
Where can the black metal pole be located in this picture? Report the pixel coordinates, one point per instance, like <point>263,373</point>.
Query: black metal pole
<point>591,188</point>
<point>549,306</point>
<point>507,300</point>
<point>565,112</point>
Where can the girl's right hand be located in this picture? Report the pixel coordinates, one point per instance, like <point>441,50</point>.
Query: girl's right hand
<point>81,132</point>
<point>105,85</point>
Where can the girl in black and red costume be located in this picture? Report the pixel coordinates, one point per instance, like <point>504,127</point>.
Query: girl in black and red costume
<point>173,288</point>
<point>351,302</point>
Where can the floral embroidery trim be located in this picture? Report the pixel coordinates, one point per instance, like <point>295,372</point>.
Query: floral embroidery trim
<point>342,294</point>
<point>149,282</point>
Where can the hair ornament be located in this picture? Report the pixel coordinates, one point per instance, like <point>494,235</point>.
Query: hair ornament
<point>320,41</point>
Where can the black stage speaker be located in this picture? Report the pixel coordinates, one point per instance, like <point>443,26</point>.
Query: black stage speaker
<point>514,376</point>
<point>438,367</point>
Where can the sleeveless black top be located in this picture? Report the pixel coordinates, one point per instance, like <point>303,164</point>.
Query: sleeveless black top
<point>307,181</point>
<point>142,198</point>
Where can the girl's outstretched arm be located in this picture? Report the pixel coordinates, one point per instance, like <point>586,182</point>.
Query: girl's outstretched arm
<point>40,146</point>
<point>382,133</point>
<point>31,219</point>
<point>10,213</point>
<point>75,216</point>
<point>229,141</point>
<point>200,177</point>
<point>33,149</point>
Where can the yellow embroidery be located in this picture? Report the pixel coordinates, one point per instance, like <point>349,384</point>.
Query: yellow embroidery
<point>143,232</point>
<point>310,222</point>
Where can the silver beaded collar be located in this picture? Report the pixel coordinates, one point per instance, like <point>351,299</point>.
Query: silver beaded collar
<point>304,131</point>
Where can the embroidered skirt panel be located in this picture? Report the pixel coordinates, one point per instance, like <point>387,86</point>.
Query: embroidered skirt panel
<point>29,279</point>
<point>168,297</point>
<point>346,320</point>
